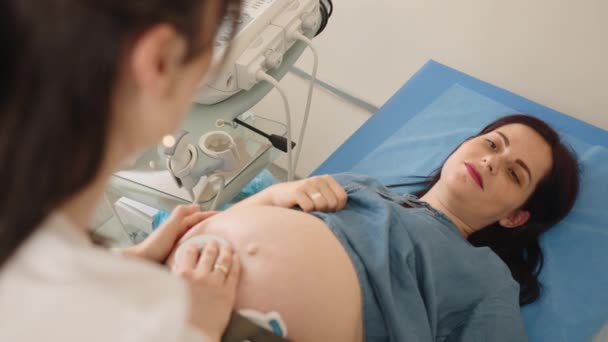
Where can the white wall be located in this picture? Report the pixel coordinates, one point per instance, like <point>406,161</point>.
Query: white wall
<point>551,51</point>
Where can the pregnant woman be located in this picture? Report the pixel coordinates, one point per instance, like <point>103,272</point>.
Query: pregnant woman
<point>358,262</point>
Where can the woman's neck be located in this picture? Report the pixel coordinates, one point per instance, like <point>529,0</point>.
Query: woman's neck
<point>80,208</point>
<point>434,201</point>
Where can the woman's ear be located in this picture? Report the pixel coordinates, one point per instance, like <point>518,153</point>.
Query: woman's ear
<point>515,219</point>
<point>155,59</point>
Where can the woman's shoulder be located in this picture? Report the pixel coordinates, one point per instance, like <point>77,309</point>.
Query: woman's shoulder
<point>494,274</point>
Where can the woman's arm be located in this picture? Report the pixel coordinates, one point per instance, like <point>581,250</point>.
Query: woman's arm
<point>320,193</point>
<point>263,197</point>
<point>493,319</point>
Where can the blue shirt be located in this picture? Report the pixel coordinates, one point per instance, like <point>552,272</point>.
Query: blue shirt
<point>420,279</point>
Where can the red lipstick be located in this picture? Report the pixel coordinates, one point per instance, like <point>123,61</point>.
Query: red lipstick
<point>474,174</point>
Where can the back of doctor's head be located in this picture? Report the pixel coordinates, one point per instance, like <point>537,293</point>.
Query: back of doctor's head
<point>59,63</point>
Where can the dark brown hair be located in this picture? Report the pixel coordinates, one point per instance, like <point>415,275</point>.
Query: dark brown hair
<point>59,64</point>
<point>551,201</point>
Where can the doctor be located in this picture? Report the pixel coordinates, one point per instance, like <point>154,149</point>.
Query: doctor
<point>84,85</point>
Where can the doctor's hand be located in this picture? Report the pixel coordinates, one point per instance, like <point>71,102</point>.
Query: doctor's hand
<point>212,275</point>
<point>320,193</point>
<point>158,245</point>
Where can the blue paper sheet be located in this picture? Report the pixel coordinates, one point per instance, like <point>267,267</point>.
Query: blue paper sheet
<point>419,127</point>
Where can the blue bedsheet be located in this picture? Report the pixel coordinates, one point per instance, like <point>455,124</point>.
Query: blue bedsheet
<point>439,108</point>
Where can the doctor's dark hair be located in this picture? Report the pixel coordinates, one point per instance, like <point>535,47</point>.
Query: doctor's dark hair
<point>59,64</point>
<point>551,201</point>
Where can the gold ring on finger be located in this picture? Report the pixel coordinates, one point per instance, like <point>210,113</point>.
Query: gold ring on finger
<point>315,196</point>
<point>221,268</point>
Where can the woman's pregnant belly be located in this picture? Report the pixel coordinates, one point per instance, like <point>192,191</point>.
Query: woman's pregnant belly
<point>293,264</point>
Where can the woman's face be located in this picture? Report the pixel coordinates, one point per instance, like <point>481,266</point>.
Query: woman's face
<point>493,175</point>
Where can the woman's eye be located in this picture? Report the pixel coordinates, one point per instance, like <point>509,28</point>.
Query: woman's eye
<point>492,145</point>
<point>513,175</point>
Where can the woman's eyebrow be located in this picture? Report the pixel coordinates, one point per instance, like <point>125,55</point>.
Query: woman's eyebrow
<point>504,137</point>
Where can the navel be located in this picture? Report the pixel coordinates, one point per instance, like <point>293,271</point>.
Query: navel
<point>253,249</point>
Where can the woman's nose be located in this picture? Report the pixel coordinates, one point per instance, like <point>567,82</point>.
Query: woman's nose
<point>490,163</point>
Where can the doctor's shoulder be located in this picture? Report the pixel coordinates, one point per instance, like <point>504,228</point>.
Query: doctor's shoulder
<point>57,288</point>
